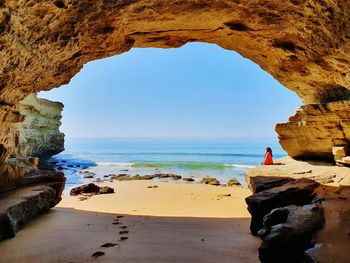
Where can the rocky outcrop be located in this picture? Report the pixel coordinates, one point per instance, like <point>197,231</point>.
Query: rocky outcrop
<point>315,130</point>
<point>286,218</point>
<point>91,189</point>
<point>319,171</point>
<point>17,207</point>
<point>288,231</point>
<point>39,133</point>
<point>303,44</point>
<point>297,192</point>
<point>31,129</point>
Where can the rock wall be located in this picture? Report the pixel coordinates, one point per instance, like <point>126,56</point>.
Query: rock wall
<point>303,44</point>
<point>28,129</point>
<point>39,134</point>
<point>315,129</point>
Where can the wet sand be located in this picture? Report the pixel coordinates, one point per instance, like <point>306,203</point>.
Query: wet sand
<point>171,223</point>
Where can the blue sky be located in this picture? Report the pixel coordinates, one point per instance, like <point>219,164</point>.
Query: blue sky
<point>198,90</point>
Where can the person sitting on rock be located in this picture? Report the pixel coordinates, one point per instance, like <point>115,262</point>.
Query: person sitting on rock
<point>268,157</point>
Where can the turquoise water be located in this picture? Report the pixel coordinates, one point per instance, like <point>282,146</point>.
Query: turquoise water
<point>220,158</point>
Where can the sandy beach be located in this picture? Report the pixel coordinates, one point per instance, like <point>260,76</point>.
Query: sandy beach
<point>172,222</point>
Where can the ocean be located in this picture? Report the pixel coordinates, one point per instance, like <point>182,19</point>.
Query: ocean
<point>223,159</point>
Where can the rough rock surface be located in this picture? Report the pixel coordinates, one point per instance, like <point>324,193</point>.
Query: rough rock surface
<point>30,128</point>
<point>288,231</point>
<point>39,133</point>
<point>91,189</point>
<point>316,129</point>
<point>20,206</point>
<point>303,44</point>
<point>261,183</point>
<point>210,181</point>
<point>319,171</point>
<point>287,218</point>
<point>297,192</point>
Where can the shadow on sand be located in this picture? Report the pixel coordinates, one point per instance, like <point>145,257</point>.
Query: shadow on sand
<point>69,235</point>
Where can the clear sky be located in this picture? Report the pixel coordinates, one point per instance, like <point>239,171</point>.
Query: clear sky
<point>198,90</point>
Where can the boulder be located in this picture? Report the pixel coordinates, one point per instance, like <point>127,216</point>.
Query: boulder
<point>106,190</point>
<point>188,179</point>
<point>210,181</point>
<point>21,205</point>
<point>233,182</point>
<point>298,192</point>
<point>84,189</point>
<point>288,231</point>
<point>91,189</point>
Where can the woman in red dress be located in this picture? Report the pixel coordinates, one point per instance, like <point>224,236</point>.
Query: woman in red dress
<point>268,157</point>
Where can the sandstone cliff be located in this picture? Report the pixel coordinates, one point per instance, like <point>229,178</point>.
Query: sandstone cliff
<point>28,129</point>
<point>39,134</point>
<point>315,129</point>
<point>303,44</point>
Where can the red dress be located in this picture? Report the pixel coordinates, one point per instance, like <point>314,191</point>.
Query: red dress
<point>268,159</point>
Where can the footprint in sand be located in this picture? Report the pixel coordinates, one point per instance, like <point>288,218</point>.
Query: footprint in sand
<point>98,254</point>
<point>109,245</point>
<point>122,232</point>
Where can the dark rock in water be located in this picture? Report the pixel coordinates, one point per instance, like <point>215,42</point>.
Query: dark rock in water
<point>261,183</point>
<point>88,176</point>
<point>233,182</point>
<point>210,181</point>
<point>59,167</point>
<point>106,190</point>
<point>91,189</point>
<point>287,232</point>
<point>147,177</point>
<point>124,170</point>
<point>21,205</point>
<point>168,175</point>
<point>70,165</point>
<point>298,192</point>
<point>188,179</point>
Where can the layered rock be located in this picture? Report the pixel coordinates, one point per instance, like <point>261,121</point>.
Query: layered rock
<point>303,44</point>
<point>31,128</point>
<point>42,191</point>
<point>39,133</point>
<point>286,214</point>
<point>288,231</point>
<point>319,171</point>
<point>315,130</point>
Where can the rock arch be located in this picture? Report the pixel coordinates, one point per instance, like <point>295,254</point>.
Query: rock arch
<point>303,44</point>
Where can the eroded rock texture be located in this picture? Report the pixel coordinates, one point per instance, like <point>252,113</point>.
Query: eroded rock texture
<point>286,214</point>
<point>39,133</point>
<point>315,129</point>
<point>303,44</point>
<point>288,231</point>
<point>29,128</point>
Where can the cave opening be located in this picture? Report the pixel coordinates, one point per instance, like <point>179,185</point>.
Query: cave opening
<point>199,110</point>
